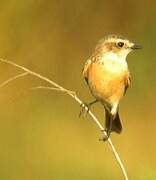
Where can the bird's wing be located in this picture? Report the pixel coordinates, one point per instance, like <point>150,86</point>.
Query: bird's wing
<point>127,83</point>
<point>85,69</point>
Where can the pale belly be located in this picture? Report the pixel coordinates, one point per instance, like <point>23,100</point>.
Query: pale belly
<point>107,84</point>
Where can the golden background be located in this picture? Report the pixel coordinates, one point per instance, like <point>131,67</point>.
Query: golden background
<point>41,136</point>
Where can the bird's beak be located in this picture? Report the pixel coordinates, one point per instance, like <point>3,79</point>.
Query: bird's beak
<point>136,46</point>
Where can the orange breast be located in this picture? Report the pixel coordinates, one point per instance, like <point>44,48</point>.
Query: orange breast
<point>106,85</point>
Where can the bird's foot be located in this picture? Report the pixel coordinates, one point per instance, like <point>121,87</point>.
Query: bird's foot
<point>84,108</point>
<point>105,135</point>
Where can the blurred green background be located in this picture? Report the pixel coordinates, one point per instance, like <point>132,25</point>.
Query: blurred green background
<point>41,136</point>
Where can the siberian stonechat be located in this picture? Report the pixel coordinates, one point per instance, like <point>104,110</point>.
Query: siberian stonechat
<point>107,75</point>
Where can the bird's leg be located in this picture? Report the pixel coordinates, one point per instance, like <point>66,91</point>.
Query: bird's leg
<point>86,106</point>
<point>109,119</point>
<point>112,117</point>
<point>107,131</point>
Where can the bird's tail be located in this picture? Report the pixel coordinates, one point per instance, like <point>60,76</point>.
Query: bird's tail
<point>116,123</point>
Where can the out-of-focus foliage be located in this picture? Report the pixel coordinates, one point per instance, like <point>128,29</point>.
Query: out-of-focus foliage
<point>40,133</point>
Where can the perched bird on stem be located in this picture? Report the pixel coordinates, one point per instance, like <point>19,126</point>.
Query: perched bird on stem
<point>107,75</point>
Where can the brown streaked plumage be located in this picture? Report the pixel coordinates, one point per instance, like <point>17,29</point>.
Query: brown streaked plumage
<point>107,75</point>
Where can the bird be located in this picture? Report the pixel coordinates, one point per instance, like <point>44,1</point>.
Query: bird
<point>107,74</point>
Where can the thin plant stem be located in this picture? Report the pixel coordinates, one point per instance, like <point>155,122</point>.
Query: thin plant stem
<point>12,79</point>
<point>57,87</point>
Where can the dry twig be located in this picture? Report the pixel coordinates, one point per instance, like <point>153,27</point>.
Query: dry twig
<point>57,87</point>
<point>13,78</point>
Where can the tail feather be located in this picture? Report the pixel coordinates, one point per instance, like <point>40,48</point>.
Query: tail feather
<point>116,122</point>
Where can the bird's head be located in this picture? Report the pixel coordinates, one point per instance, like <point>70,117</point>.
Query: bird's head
<point>117,45</point>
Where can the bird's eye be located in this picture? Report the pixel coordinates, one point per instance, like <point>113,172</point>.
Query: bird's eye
<point>120,44</point>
